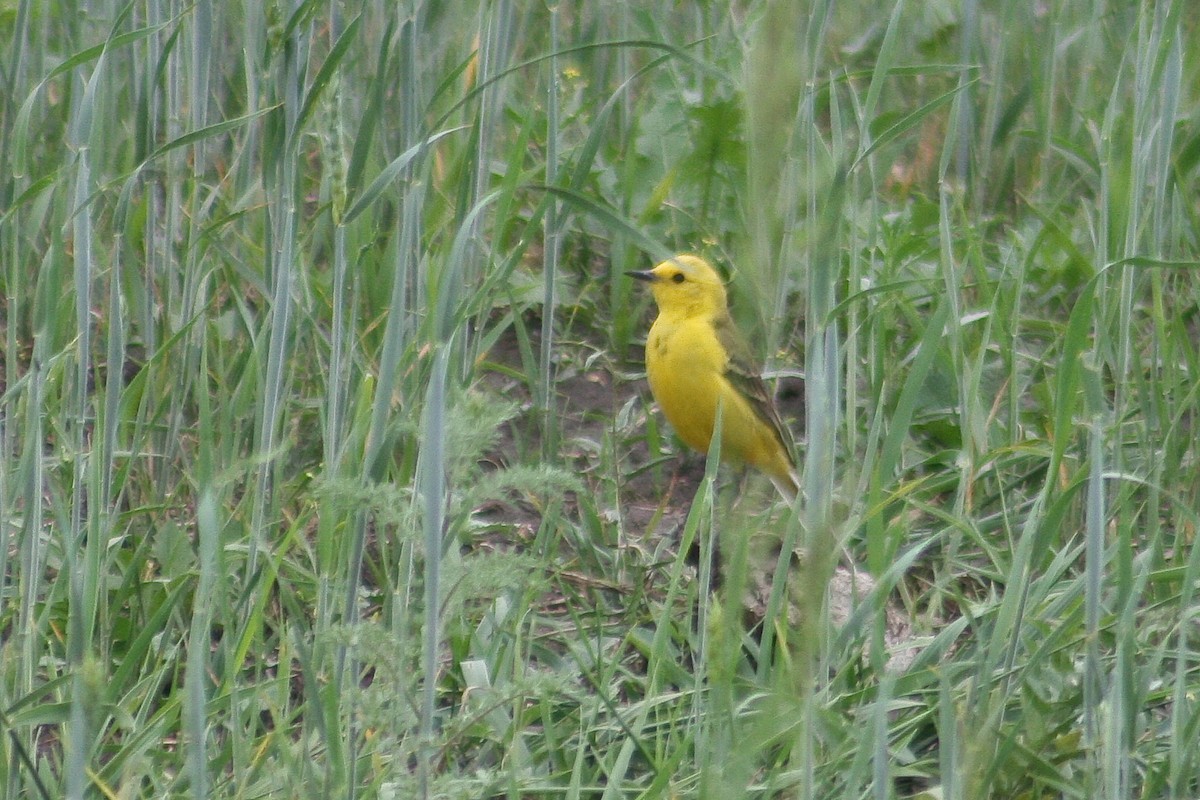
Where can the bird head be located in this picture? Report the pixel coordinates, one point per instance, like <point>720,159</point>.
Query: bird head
<point>684,283</point>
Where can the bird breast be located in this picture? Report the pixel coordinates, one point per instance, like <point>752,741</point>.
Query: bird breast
<point>684,365</point>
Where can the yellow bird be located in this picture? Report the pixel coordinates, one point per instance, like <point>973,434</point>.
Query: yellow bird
<point>696,360</point>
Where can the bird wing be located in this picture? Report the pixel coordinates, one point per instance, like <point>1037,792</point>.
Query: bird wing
<point>744,373</point>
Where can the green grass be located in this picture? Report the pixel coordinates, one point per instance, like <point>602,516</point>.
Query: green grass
<point>329,469</point>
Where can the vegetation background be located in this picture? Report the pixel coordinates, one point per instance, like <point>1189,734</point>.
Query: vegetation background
<point>328,465</point>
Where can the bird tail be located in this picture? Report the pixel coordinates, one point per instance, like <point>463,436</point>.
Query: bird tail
<point>788,484</point>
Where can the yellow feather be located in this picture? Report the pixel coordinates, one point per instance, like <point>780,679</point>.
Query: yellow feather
<point>697,360</point>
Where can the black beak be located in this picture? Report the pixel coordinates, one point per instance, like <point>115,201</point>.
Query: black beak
<point>647,276</point>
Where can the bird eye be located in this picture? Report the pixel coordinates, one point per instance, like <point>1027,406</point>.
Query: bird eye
<point>678,277</point>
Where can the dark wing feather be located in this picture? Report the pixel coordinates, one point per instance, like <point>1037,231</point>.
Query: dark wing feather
<point>744,372</point>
